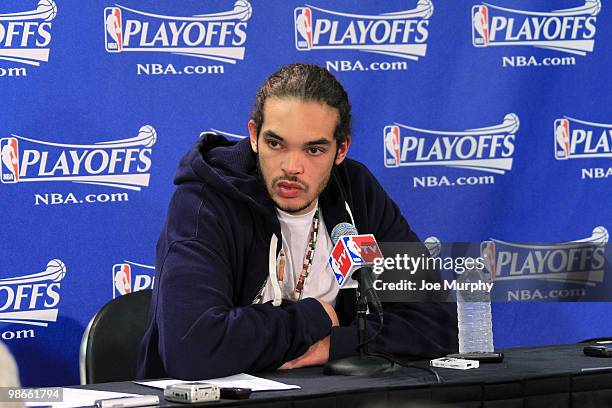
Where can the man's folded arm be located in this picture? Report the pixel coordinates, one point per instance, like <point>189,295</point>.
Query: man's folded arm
<point>202,334</point>
<point>415,330</point>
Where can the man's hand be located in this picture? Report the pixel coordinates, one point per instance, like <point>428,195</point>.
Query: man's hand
<point>317,354</point>
<point>331,312</point>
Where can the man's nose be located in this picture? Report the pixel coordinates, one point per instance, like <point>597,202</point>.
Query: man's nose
<point>292,163</point>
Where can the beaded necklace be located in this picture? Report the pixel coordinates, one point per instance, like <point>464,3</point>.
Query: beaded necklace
<point>308,257</point>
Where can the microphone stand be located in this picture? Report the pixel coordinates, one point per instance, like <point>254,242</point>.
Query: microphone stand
<point>363,364</point>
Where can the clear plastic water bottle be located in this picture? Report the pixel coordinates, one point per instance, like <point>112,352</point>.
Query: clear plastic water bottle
<point>474,314</point>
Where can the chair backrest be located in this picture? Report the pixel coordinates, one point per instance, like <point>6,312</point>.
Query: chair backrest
<point>595,340</point>
<point>109,348</point>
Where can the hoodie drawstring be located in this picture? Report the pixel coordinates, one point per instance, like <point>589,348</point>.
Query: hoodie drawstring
<point>350,213</point>
<point>278,295</point>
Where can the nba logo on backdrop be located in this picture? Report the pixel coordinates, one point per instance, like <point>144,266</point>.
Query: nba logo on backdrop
<point>114,31</point>
<point>392,146</point>
<point>562,143</point>
<point>25,35</point>
<point>579,139</point>
<point>303,28</point>
<point>131,277</point>
<point>480,26</point>
<point>10,163</point>
<point>122,279</point>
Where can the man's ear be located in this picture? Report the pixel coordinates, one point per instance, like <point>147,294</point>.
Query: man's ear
<point>253,135</point>
<point>342,151</point>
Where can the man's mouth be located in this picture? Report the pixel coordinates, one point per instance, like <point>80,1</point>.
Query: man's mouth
<point>288,189</point>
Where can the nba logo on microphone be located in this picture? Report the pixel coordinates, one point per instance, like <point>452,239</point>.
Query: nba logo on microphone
<point>340,262</point>
<point>122,279</point>
<point>352,252</point>
<point>362,249</point>
<point>480,26</point>
<point>392,146</point>
<point>113,33</point>
<point>562,139</point>
<point>9,166</point>
<point>303,28</point>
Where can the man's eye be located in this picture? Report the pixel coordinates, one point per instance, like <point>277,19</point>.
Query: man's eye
<point>273,144</point>
<point>315,151</point>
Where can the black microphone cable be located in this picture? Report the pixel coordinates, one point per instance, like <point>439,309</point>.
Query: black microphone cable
<point>406,364</point>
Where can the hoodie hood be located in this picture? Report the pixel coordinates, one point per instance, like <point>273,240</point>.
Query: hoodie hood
<point>227,166</point>
<point>230,168</point>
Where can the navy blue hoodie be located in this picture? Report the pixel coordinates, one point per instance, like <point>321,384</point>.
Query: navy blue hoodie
<point>213,258</point>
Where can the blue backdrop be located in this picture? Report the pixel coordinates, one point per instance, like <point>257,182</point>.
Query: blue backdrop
<point>482,120</point>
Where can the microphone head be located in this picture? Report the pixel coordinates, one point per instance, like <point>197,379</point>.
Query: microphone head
<point>433,245</point>
<point>344,228</point>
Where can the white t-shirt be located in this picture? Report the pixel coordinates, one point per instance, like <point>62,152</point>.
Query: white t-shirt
<point>320,282</point>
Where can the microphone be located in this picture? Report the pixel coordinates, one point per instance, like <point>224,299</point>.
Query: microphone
<point>351,257</point>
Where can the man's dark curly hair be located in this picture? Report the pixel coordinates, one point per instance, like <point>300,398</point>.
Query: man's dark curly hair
<point>307,82</point>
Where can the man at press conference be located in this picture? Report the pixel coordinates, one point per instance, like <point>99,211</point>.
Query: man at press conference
<point>242,277</point>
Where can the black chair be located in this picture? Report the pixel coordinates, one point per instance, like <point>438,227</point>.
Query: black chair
<point>109,348</point>
<point>596,339</point>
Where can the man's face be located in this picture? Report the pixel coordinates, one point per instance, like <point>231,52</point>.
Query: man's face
<point>296,150</point>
